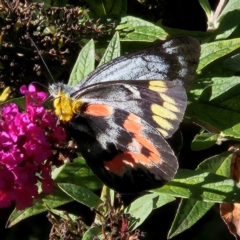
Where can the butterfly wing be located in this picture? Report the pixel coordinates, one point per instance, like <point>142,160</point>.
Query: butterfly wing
<point>174,60</point>
<point>120,132</point>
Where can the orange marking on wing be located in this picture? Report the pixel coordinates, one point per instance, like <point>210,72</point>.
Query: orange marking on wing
<point>132,127</point>
<point>128,159</point>
<point>118,163</point>
<point>141,158</point>
<point>154,158</point>
<point>98,110</point>
<point>146,143</point>
<point>133,117</point>
<point>131,124</point>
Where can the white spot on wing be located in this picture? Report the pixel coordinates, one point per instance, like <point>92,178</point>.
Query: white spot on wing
<point>183,72</point>
<point>133,90</point>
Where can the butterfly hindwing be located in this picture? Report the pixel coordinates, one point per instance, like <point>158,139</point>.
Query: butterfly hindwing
<point>127,145</point>
<point>129,120</point>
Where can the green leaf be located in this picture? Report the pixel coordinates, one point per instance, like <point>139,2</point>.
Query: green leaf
<point>206,7</point>
<point>84,64</point>
<point>44,203</point>
<point>143,206</point>
<point>214,50</point>
<point>203,141</point>
<point>18,216</point>
<point>81,194</point>
<point>202,186</point>
<point>116,7</point>
<point>77,172</point>
<point>191,210</point>
<point>232,63</point>
<point>230,6</point>
<point>197,88</point>
<point>162,200</point>
<point>92,232</point>
<point>21,102</point>
<point>222,85</point>
<point>215,104</point>
<point>112,51</point>
<point>220,164</point>
<point>97,7</point>
<point>62,214</point>
<point>222,120</point>
<point>208,89</point>
<point>175,32</point>
<point>108,193</point>
<point>136,29</point>
<point>228,25</point>
<point>103,7</point>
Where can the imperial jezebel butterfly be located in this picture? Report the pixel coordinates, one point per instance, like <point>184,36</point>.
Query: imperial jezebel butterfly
<point>122,114</point>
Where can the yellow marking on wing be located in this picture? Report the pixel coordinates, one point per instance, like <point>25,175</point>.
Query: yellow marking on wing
<point>163,123</point>
<point>158,86</point>
<point>163,112</point>
<point>171,107</point>
<point>163,132</point>
<point>158,89</point>
<point>65,107</point>
<point>166,98</point>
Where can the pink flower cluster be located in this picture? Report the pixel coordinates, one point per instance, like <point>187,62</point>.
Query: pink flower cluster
<point>26,139</point>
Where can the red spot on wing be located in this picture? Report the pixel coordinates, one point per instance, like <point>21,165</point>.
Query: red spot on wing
<point>98,110</point>
<point>129,160</point>
<point>118,163</point>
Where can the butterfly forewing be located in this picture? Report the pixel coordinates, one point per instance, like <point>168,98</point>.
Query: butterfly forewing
<point>174,60</point>
<point>160,103</point>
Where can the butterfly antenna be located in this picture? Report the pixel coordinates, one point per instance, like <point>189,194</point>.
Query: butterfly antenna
<point>40,55</point>
<point>38,83</point>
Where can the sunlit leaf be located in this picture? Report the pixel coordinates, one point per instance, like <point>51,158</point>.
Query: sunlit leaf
<point>191,210</point>
<point>84,64</point>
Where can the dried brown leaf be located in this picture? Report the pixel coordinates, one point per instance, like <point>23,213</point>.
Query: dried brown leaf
<point>230,212</point>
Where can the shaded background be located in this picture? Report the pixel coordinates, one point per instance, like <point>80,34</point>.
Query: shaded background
<point>181,14</point>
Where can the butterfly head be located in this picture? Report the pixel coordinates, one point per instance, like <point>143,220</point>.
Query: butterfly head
<point>65,106</point>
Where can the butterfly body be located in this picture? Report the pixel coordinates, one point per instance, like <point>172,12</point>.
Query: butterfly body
<point>121,114</point>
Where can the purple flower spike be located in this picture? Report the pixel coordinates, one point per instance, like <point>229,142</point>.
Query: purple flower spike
<point>26,140</point>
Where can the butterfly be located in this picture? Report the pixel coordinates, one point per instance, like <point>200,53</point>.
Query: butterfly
<point>122,114</point>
